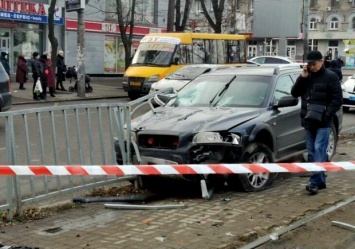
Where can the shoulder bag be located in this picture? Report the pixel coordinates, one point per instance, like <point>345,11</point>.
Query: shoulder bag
<point>314,111</point>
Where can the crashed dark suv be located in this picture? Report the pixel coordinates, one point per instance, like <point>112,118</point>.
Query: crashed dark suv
<point>237,115</point>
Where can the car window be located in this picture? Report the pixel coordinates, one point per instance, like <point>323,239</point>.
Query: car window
<point>283,87</point>
<point>272,60</point>
<point>3,74</point>
<point>220,91</point>
<point>260,60</point>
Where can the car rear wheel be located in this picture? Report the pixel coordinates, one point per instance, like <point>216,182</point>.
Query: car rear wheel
<point>254,153</point>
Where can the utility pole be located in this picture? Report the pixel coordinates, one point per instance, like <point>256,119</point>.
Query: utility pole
<point>170,21</point>
<point>80,54</point>
<point>305,28</point>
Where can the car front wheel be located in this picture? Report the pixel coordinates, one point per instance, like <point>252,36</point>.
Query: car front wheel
<point>254,153</point>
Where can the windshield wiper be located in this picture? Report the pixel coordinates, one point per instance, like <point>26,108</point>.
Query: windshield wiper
<point>219,94</point>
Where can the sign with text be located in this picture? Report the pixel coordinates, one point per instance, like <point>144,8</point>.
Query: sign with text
<point>74,5</point>
<point>28,12</point>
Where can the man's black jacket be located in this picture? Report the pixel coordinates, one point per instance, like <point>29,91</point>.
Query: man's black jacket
<point>322,87</point>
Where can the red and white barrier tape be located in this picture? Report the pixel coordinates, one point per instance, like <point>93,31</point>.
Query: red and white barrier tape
<point>180,169</point>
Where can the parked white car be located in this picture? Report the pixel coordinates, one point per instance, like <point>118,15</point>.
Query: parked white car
<point>273,60</point>
<point>184,75</point>
<point>348,93</point>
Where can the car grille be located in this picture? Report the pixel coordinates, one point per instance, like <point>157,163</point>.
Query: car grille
<point>158,141</point>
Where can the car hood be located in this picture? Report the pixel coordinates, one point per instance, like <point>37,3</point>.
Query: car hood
<point>166,83</point>
<point>194,119</point>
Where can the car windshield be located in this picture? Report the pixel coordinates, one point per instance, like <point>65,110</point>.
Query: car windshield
<point>224,91</point>
<point>155,54</point>
<point>187,73</point>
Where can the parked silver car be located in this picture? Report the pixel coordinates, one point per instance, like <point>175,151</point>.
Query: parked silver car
<point>5,94</point>
<point>184,75</point>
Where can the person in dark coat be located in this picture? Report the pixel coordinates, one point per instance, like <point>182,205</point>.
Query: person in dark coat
<point>334,66</point>
<point>21,71</point>
<point>61,69</point>
<point>5,61</point>
<point>43,75</point>
<point>36,73</point>
<point>317,85</point>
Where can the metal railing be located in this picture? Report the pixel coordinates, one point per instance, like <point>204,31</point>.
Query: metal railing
<point>63,135</point>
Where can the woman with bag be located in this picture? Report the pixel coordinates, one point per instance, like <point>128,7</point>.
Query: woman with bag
<point>36,72</point>
<point>21,71</point>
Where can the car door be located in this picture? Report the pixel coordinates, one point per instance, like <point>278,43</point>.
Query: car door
<point>289,132</point>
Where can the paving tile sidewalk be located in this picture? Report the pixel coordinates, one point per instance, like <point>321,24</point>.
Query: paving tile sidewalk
<point>102,88</point>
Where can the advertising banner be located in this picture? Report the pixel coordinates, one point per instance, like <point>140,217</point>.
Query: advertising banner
<point>110,54</point>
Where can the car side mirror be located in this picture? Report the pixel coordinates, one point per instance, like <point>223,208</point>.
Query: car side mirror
<point>286,101</point>
<point>163,99</point>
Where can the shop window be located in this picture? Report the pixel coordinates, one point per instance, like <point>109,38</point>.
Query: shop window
<point>26,42</point>
<point>353,23</point>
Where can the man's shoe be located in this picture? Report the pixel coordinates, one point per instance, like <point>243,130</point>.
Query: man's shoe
<point>52,95</point>
<point>63,89</point>
<point>57,88</point>
<point>22,88</point>
<point>36,98</point>
<point>322,186</point>
<point>313,189</point>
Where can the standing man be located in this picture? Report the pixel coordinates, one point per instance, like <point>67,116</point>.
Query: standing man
<point>317,87</point>
<point>61,69</point>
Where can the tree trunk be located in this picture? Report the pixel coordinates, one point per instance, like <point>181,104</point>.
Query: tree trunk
<point>52,39</point>
<point>81,54</point>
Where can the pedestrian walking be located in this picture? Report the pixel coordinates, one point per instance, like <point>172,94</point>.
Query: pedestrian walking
<point>21,72</point>
<point>321,96</point>
<point>36,73</point>
<point>4,59</point>
<point>334,67</point>
<point>61,69</point>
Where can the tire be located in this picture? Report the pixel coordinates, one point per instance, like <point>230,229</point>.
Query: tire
<point>89,89</point>
<point>254,153</point>
<point>71,89</point>
<point>333,140</point>
<point>346,108</point>
<point>133,95</point>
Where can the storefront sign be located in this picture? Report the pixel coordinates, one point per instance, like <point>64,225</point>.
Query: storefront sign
<point>100,27</point>
<point>28,12</point>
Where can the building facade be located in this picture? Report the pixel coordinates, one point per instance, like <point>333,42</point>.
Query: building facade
<point>24,30</point>
<point>331,26</point>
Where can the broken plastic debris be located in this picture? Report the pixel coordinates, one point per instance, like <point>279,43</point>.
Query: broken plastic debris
<point>161,239</point>
<point>274,236</point>
<point>229,234</point>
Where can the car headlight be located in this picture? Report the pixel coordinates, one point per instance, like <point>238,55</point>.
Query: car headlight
<point>216,138</point>
<point>153,78</point>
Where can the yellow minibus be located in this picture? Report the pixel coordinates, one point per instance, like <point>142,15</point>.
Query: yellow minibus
<point>160,54</point>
